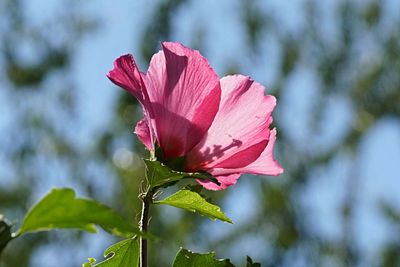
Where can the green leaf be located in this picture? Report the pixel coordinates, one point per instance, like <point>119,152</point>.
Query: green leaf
<point>5,233</point>
<point>61,209</point>
<point>122,254</point>
<point>250,263</point>
<point>160,175</point>
<point>186,258</point>
<point>192,201</point>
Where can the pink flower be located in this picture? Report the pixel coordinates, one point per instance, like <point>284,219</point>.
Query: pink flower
<point>219,126</point>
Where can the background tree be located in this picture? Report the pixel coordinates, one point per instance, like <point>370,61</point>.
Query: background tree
<point>332,65</point>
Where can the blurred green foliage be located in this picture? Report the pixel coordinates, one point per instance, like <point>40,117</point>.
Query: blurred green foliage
<point>372,88</point>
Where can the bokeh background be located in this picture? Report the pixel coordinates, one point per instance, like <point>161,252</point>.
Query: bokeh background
<point>333,65</point>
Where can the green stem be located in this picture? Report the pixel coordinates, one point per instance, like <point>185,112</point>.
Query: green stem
<point>143,225</point>
<point>5,233</point>
<point>147,199</point>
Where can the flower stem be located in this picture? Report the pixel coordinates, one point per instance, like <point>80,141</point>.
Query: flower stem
<point>143,225</point>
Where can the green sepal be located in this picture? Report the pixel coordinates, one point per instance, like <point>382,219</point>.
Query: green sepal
<point>160,175</point>
<point>187,258</point>
<point>61,209</point>
<point>194,202</point>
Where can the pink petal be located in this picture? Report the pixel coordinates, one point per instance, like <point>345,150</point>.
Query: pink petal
<point>143,132</point>
<point>238,134</point>
<point>184,92</point>
<point>225,180</point>
<point>265,164</point>
<point>127,75</point>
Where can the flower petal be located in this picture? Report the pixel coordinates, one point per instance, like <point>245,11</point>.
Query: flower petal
<point>143,133</point>
<point>126,74</point>
<point>238,134</point>
<point>265,164</point>
<point>225,180</point>
<point>184,93</point>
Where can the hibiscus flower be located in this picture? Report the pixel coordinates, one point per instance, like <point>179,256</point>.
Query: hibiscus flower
<point>220,126</point>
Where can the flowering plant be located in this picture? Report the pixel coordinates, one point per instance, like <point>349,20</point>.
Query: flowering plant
<point>217,126</point>
<point>195,126</point>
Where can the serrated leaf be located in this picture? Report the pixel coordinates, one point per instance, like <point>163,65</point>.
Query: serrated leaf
<point>61,209</point>
<point>5,233</point>
<point>122,254</point>
<point>194,202</point>
<point>250,263</point>
<point>187,258</point>
<point>160,175</point>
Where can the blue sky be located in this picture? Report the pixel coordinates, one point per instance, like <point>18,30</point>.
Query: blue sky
<point>120,27</point>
